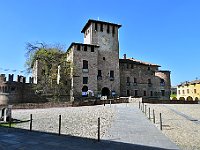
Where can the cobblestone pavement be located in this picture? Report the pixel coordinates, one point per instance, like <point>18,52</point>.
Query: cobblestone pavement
<point>129,130</point>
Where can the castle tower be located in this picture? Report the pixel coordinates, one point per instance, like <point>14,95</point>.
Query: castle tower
<point>105,35</point>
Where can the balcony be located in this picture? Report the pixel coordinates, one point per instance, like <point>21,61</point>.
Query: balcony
<point>128,83</point>
<point>111,78</point>
<point>149,84</point>
<point>85,70</point>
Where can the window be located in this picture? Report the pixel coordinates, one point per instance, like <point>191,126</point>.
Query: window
<point>108,29</point>
<point>111,75</point>
<point>188,91</point>
<point>149,81</point>
<point>149,68</point>
<point>85,48</point>
<point>95,26</point>
<point>135,80</point>
<point>183,92</point>
<point>128,93</point>
<point>104,58</point>
<point>101,27</point>
<point>85,80</point>
<point>162,82</point>
<point>132,66</point>
<point>136,93</point>
<point>151,93</point>
<point>179,92</point>
<point>78,47</point>
<point>99,73</point>
<point>85,64</point>
<point>145,93</point>
<point>195,91</point>
<point>163,92</point>
<point>128,79</point>
<point>92,48</point>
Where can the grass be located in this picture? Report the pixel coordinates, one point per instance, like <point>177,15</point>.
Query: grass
<point>7,124</point>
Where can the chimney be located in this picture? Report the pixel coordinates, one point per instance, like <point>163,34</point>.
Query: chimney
<point>124,56</point>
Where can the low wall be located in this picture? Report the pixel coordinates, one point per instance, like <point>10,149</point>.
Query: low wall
<point>90,102</point>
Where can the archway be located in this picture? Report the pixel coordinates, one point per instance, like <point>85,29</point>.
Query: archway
<point>84,91</point>
<point>105,91</point>
<point>174,98</point>
<point>189,98</point>
<point>196,99</point>
<point>182,98</point>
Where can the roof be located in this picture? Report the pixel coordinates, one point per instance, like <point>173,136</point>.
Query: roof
<point>135,61</point>
<point>191,82</point>
<point>98,21</point>
<point>74,43</point>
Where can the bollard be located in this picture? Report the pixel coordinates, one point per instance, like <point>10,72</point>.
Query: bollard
<point>154,119</point>
<point>110,103</point>
<point>139,104</point>
<point>160,122</point>
<point>59,125</point>
<point>31,119</point>
<point>149,113</point>
<point>98,129</point>
<point>145,109</point>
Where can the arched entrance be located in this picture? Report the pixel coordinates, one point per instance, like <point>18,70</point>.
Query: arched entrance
<point>105,91</point>
<point>182,98</point>
<point>84,91</point>
<point>189,98</point>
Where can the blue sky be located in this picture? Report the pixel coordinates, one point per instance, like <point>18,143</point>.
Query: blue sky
<point>165,32</point>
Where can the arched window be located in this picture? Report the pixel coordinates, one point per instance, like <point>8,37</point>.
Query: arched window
<point>84,91</point>
<point>85,64</point>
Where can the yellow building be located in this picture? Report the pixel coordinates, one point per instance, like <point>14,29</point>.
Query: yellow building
<point>189,90</point>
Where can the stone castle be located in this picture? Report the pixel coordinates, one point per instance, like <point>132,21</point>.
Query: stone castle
<point>97,70</point>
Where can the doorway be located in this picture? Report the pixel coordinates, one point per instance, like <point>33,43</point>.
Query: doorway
<point>105,92</point>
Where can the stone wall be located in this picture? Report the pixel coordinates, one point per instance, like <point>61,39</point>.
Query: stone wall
<point>18,91</point>
<point>141,87</point>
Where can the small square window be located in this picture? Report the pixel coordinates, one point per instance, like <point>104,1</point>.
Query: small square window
<point>104,58</point>
<point>85,48</point>
<point>85,80</point>
<point>78,47</point>
<point>92,48</point>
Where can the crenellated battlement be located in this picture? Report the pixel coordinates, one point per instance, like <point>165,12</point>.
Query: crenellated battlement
<point>10,78</point>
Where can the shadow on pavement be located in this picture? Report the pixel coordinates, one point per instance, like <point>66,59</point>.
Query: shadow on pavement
<point>14,138</point>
